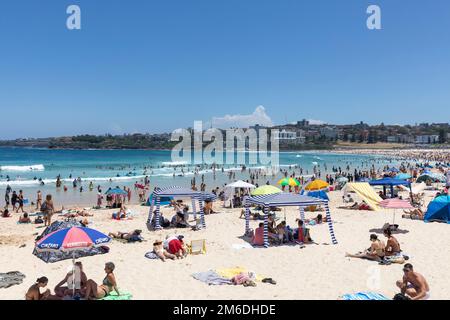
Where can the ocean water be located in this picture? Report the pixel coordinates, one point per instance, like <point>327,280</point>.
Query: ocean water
<point>25,168</point>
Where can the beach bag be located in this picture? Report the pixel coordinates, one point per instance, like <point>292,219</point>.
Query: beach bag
<point>38,220</point>
<point>44,206</point>
<point>401,296</point>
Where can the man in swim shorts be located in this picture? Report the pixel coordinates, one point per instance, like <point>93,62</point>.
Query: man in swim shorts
<point>414,284</point>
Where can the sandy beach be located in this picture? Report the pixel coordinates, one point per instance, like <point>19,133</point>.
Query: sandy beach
<point>315,272</point>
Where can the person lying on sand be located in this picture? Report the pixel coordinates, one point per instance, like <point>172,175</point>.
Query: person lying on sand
<point>413,284</point>
<point>376,251</point>
<point>79,281</point>
<point>392,245</point>
<point>125,235</point>
<point>109,283</point>
<point>317,220</point>
<point>159,250</point>
<point>253,215</point>
<point>24,218</point>
<point>416,214</point>
<point>34,292</point>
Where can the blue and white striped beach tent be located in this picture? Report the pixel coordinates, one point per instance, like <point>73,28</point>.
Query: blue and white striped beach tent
<point>285,199</point>
<point>180,192</point>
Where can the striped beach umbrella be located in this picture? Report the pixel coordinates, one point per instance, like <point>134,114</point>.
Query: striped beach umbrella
<point>395,203</point>
<point>289,182</point>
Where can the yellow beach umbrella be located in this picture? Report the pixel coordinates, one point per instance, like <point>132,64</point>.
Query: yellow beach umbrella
<point>267,189</point>
<point>316,184</point>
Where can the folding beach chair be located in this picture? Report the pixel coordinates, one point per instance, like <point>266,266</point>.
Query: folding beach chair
<point>197,247</point>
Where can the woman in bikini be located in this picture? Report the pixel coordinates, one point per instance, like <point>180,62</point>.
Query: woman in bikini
<point>376,251</point>
<point>125,235</point>
<point>95,291</point>
<point>34,292</point>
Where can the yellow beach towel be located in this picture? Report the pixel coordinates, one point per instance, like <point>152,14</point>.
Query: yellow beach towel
<point>231,272</point>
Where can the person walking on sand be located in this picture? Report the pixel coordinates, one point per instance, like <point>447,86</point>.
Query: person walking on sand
<point>413,284</point>
<point>38,200</point>
<point>20,200</point>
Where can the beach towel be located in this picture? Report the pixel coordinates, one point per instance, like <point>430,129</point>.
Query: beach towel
<point>364,296</point>
<point>211,278</point>
<point>229,273</point>
<point>11,278</point>
<point>113,296</point>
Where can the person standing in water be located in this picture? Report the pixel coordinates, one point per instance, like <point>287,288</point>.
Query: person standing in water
<point>38,200</point>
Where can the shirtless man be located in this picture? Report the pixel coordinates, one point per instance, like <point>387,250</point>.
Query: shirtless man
<point>413,284</point>
<point>392,245</point>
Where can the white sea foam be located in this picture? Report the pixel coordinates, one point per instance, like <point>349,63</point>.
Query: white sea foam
<point>35,167</point>
<point>175,163</point>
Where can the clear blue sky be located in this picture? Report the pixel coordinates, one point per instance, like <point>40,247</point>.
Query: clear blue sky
<point>156,65</point>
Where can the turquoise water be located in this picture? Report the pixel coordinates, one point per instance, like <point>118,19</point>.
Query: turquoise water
<point>24,167</point>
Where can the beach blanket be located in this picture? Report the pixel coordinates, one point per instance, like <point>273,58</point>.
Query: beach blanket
<point>211,278</point>
<point>364,296</point>
<point>113,296</point>
<point>11,278</point>
<point>229,273</point>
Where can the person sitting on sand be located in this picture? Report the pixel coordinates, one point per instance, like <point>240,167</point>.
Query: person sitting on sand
<point>95,291</point>
<point>413,284</point>
<point>392,245</point>
<point>363,206</point>
<point>179,220</point>
<point>416,214</point>
<point>122,214</point>
<point>34,292</point>
<point>5,213</point>
<point>24,218</point>
<point>253,215</point>
<point>126,235</point>
<point>162,253</point>
<point>302,234</point>
<point>79,282</point>
<point>376,251</point>
<point>258,236</point>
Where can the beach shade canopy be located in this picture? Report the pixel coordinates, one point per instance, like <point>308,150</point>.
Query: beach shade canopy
<point>163,201</point>
<point>391,183</point>
<point>117,191</point>
<point>176,191</point>
<point>55,256</point>
<point>321,194</point>
<point>73,238</point>
<point>438,210</point>
<point>240,185</point>
<point>283,199</point>
<point>316,184</point>
<point>289,182</point>
<point>266,189</point>
<point>403,176</point>
<point>365,192</point>
<point>208,196</point>
<point>393,169</point>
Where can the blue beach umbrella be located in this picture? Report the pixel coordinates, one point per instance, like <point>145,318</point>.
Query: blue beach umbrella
<point>117,191</point>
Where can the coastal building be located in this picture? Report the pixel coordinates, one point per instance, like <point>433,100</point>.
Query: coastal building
<point>427,139</point>
<point>329,132</point>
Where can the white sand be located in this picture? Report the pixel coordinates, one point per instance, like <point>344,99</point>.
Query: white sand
<point>315,272</point>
